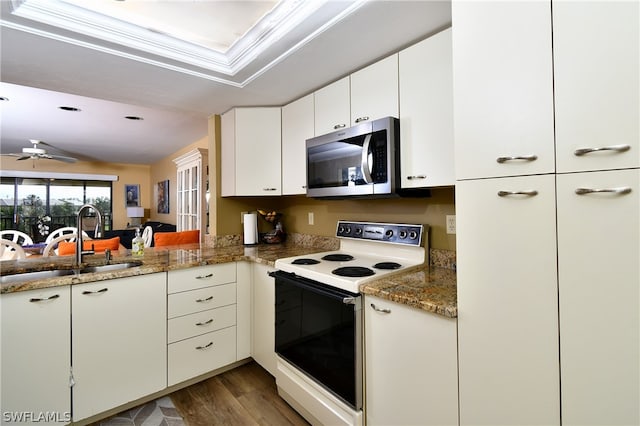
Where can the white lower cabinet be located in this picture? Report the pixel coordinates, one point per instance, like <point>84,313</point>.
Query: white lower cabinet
<point>36,355</point>
<point>599,291</point>
<point>508,301</point>
<point>201,311</point>
<point>118,342</point>
<point>410,365</point>
<point>264,318</point>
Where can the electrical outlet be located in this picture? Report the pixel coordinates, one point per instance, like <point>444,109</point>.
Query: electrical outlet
<point>311,218</point>
<point>242,216</point>
<point>451,224</point>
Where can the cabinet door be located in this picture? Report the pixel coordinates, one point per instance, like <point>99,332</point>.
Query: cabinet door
<point>374,91</point>
<point>502,88</point>
<point>228,153</point>
<point>406,349</point>
<point>332,107</point>
<point>243,306</point>
<point>596,50</point>
<point>507,302</point>
<point>264,317</point>
<point>36,355</point>
<point>297,127</point>
<point>426,113</point>
<point>119,342</point>
<point>258,150</point>
<point>598,252</point>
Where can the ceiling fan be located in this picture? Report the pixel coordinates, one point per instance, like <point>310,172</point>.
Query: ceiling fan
<point>37,153</point>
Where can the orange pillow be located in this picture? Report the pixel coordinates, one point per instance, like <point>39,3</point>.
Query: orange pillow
<point>175,238</point>
<point>99,246</point>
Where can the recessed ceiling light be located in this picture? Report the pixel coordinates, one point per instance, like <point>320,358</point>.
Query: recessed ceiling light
<point>68,108</point>
<point>133,117</point>
<point>2,98</point>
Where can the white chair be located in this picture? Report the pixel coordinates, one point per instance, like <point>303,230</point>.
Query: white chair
<point>147,236</point>
<point>16,236</point>
<point>51,248</point>
<point>10,250</point>
<point>65,230</point>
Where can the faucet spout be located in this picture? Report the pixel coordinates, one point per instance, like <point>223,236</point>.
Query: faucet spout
<point>97,234</point>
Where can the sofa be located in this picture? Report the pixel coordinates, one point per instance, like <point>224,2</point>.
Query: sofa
<point>127,235</point>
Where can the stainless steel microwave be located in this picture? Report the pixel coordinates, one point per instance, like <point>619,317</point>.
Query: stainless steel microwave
<point>358,161</point>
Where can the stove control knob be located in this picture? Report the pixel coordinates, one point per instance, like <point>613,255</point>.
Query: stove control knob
<point>388,233</point>
<point>347,230</point>
<point>341,230</point>
<point>413,235</point>
<point>403,234</point>
<point>358,231</point>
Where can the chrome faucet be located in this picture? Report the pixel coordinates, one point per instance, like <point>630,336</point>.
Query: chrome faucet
<point>79,246</point>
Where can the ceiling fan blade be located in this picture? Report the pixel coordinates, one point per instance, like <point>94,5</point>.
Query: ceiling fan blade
<point>62,158</point>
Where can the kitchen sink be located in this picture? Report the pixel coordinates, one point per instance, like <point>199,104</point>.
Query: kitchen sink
<point>55,273</point>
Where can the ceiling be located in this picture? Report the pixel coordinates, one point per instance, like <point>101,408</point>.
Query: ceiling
<point>174,63</point>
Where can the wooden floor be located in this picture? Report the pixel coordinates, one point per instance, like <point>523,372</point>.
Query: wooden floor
<point>246,395</point>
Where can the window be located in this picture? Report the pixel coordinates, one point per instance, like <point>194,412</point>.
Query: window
<point>24,202</point>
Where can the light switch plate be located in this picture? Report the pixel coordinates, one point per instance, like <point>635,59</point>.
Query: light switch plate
<point>451,224</point>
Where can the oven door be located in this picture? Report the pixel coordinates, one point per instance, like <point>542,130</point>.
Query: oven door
<point>319,331</point>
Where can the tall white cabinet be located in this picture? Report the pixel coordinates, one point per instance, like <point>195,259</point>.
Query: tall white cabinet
<point>297,127</point>
<point>548,276</point>
<point>191,187</point>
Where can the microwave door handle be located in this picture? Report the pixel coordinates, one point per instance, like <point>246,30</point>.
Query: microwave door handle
<point>364,166</point>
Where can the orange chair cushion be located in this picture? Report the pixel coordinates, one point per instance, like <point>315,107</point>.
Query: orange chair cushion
<point>176,238</point>
<point>99,246</point>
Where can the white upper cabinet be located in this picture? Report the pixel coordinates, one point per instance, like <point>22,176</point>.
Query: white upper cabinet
<point>426,113</point>
<point>251,152</point>
<point>596,49</point>
<point>297,127</point>
<point>374,91</point>
<point>332,107</point>
<point>503,91</point>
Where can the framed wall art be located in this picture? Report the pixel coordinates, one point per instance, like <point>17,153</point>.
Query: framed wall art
<point>162,196</point>
<point>132,195</point>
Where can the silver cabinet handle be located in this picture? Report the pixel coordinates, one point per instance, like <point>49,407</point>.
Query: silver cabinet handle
<point>615,148</point>
<point>529,193</point>
<point>517,157</point>
<point>209,321</point>
<point>269,189</point>
<point>102,290</point>
<point>382,310</point>
<point>208,345</point>
<point>416,177</point>
<point>339,126</point>
<point>361,119</point>
<point>621,191</point>
<point>204,277</point>
<point>37,299</point>
<point>205,300</point>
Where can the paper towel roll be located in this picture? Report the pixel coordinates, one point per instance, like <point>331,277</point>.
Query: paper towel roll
<point>250,228</point>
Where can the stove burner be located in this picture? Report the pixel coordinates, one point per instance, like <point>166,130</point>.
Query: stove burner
<point>337,257</point>
<point>353,271</point>
<point>305,261</point>
<point>387,265</point>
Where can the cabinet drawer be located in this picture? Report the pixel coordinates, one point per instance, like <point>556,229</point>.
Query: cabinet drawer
<point>202,276</point>
<point>200,323</point>
<point>189,302</point>
<point>201,354</point>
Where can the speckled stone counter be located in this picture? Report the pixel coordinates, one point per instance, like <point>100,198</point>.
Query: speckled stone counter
<point>430,288</point>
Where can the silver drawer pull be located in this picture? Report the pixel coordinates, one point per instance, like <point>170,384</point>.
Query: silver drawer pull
<point>417,177</point>
<point>206,322</point>
<point>382,310</point>
<point>615,148</point>
<point>339,126</point>
<point>205,300</point>
<point>518,157</point>
<point>529,193</point>
<point>102,290</point>
<point>269,189</point>
<point>203,277</point>
<point>208,345</point>
<point>621,191</point>
<point>361,119</point>
<point>37,299</point>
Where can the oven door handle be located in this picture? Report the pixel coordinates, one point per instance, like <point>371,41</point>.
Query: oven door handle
<point>346,297</point>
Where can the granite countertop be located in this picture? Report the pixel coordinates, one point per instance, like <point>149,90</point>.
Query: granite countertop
<point>429,288</point>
